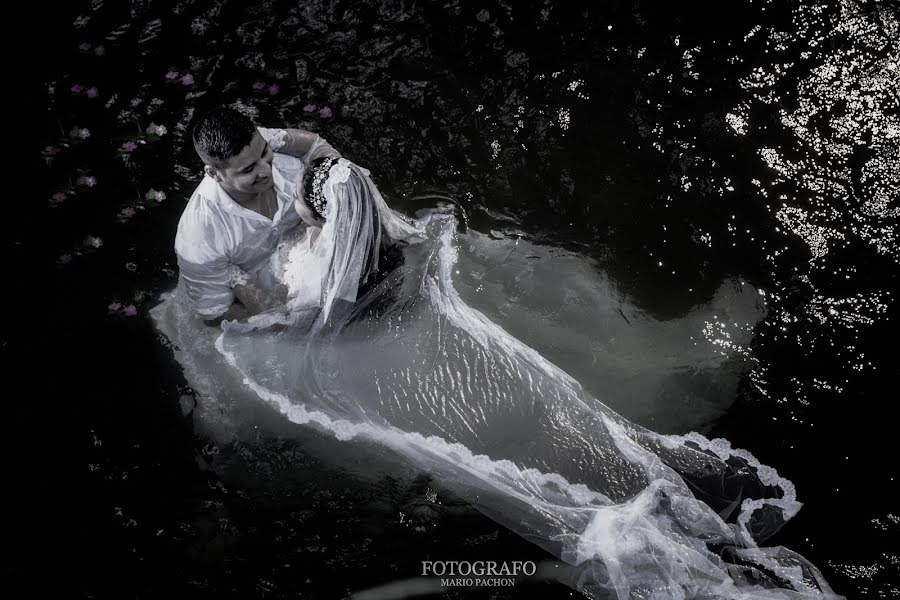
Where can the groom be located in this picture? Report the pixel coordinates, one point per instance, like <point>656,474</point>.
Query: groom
<point>236,216</point>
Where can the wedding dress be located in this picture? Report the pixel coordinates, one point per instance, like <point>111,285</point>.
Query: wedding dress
<point>376,342</point>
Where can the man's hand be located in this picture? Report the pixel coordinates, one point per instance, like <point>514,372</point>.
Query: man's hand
<point>279,295</point>
<point>252,302</point>
<point>235,312</point>
<point>256,300</point>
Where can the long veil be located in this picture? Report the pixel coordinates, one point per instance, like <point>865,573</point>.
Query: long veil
<point>376,343</point>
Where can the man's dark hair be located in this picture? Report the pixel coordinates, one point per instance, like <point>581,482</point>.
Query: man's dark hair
<point>220,134</point>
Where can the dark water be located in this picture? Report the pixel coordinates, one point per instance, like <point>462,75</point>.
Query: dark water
<point>678,144</point>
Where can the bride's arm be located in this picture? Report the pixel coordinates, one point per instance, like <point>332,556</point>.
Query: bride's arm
<point>296,142</point>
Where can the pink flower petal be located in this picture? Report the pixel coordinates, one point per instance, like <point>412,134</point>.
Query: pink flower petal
<point>114,306</point>
<point>259,85</point>
<point>309,108</point>
<point>325,113</point>
<point>187,79</point>
<point>130,310</point>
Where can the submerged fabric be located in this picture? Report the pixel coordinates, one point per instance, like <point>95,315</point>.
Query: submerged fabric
<point>383,348</point>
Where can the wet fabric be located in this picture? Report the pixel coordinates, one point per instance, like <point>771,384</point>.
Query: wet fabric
<point>377,343</point>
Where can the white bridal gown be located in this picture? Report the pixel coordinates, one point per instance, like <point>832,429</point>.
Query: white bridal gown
<point>523,431</point>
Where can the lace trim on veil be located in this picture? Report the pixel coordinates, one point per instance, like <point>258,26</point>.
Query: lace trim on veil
<point>338,174</point>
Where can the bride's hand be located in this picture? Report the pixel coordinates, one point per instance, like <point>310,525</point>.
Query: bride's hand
<point>256,300</point>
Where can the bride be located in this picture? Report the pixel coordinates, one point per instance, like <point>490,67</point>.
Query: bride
<point>376,342</point>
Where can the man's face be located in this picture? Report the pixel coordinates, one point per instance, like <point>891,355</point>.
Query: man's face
<point>249,172</point>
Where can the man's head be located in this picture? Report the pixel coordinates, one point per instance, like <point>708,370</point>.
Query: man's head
<point>233,152</point>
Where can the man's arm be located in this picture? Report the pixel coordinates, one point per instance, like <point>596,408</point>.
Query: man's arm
<point>251,301</point>
<point>257,300</point>
<point>237,311</point>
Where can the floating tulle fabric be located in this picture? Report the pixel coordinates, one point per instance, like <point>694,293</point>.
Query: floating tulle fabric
<point>376,342</point>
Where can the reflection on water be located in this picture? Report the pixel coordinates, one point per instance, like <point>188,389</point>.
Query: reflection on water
<point>671,376</point>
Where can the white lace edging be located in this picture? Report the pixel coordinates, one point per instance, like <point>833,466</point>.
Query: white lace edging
<point>275,137</point>
<point>338,174</point>
<point>237,276</point>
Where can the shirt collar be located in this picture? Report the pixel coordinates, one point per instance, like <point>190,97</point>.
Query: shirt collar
<point>210,188</point>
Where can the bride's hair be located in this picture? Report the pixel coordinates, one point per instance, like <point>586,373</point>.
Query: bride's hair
<point>313,182</point>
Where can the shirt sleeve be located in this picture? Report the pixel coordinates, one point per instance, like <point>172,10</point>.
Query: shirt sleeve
<point>205,270</point>
<point>208,285</point>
